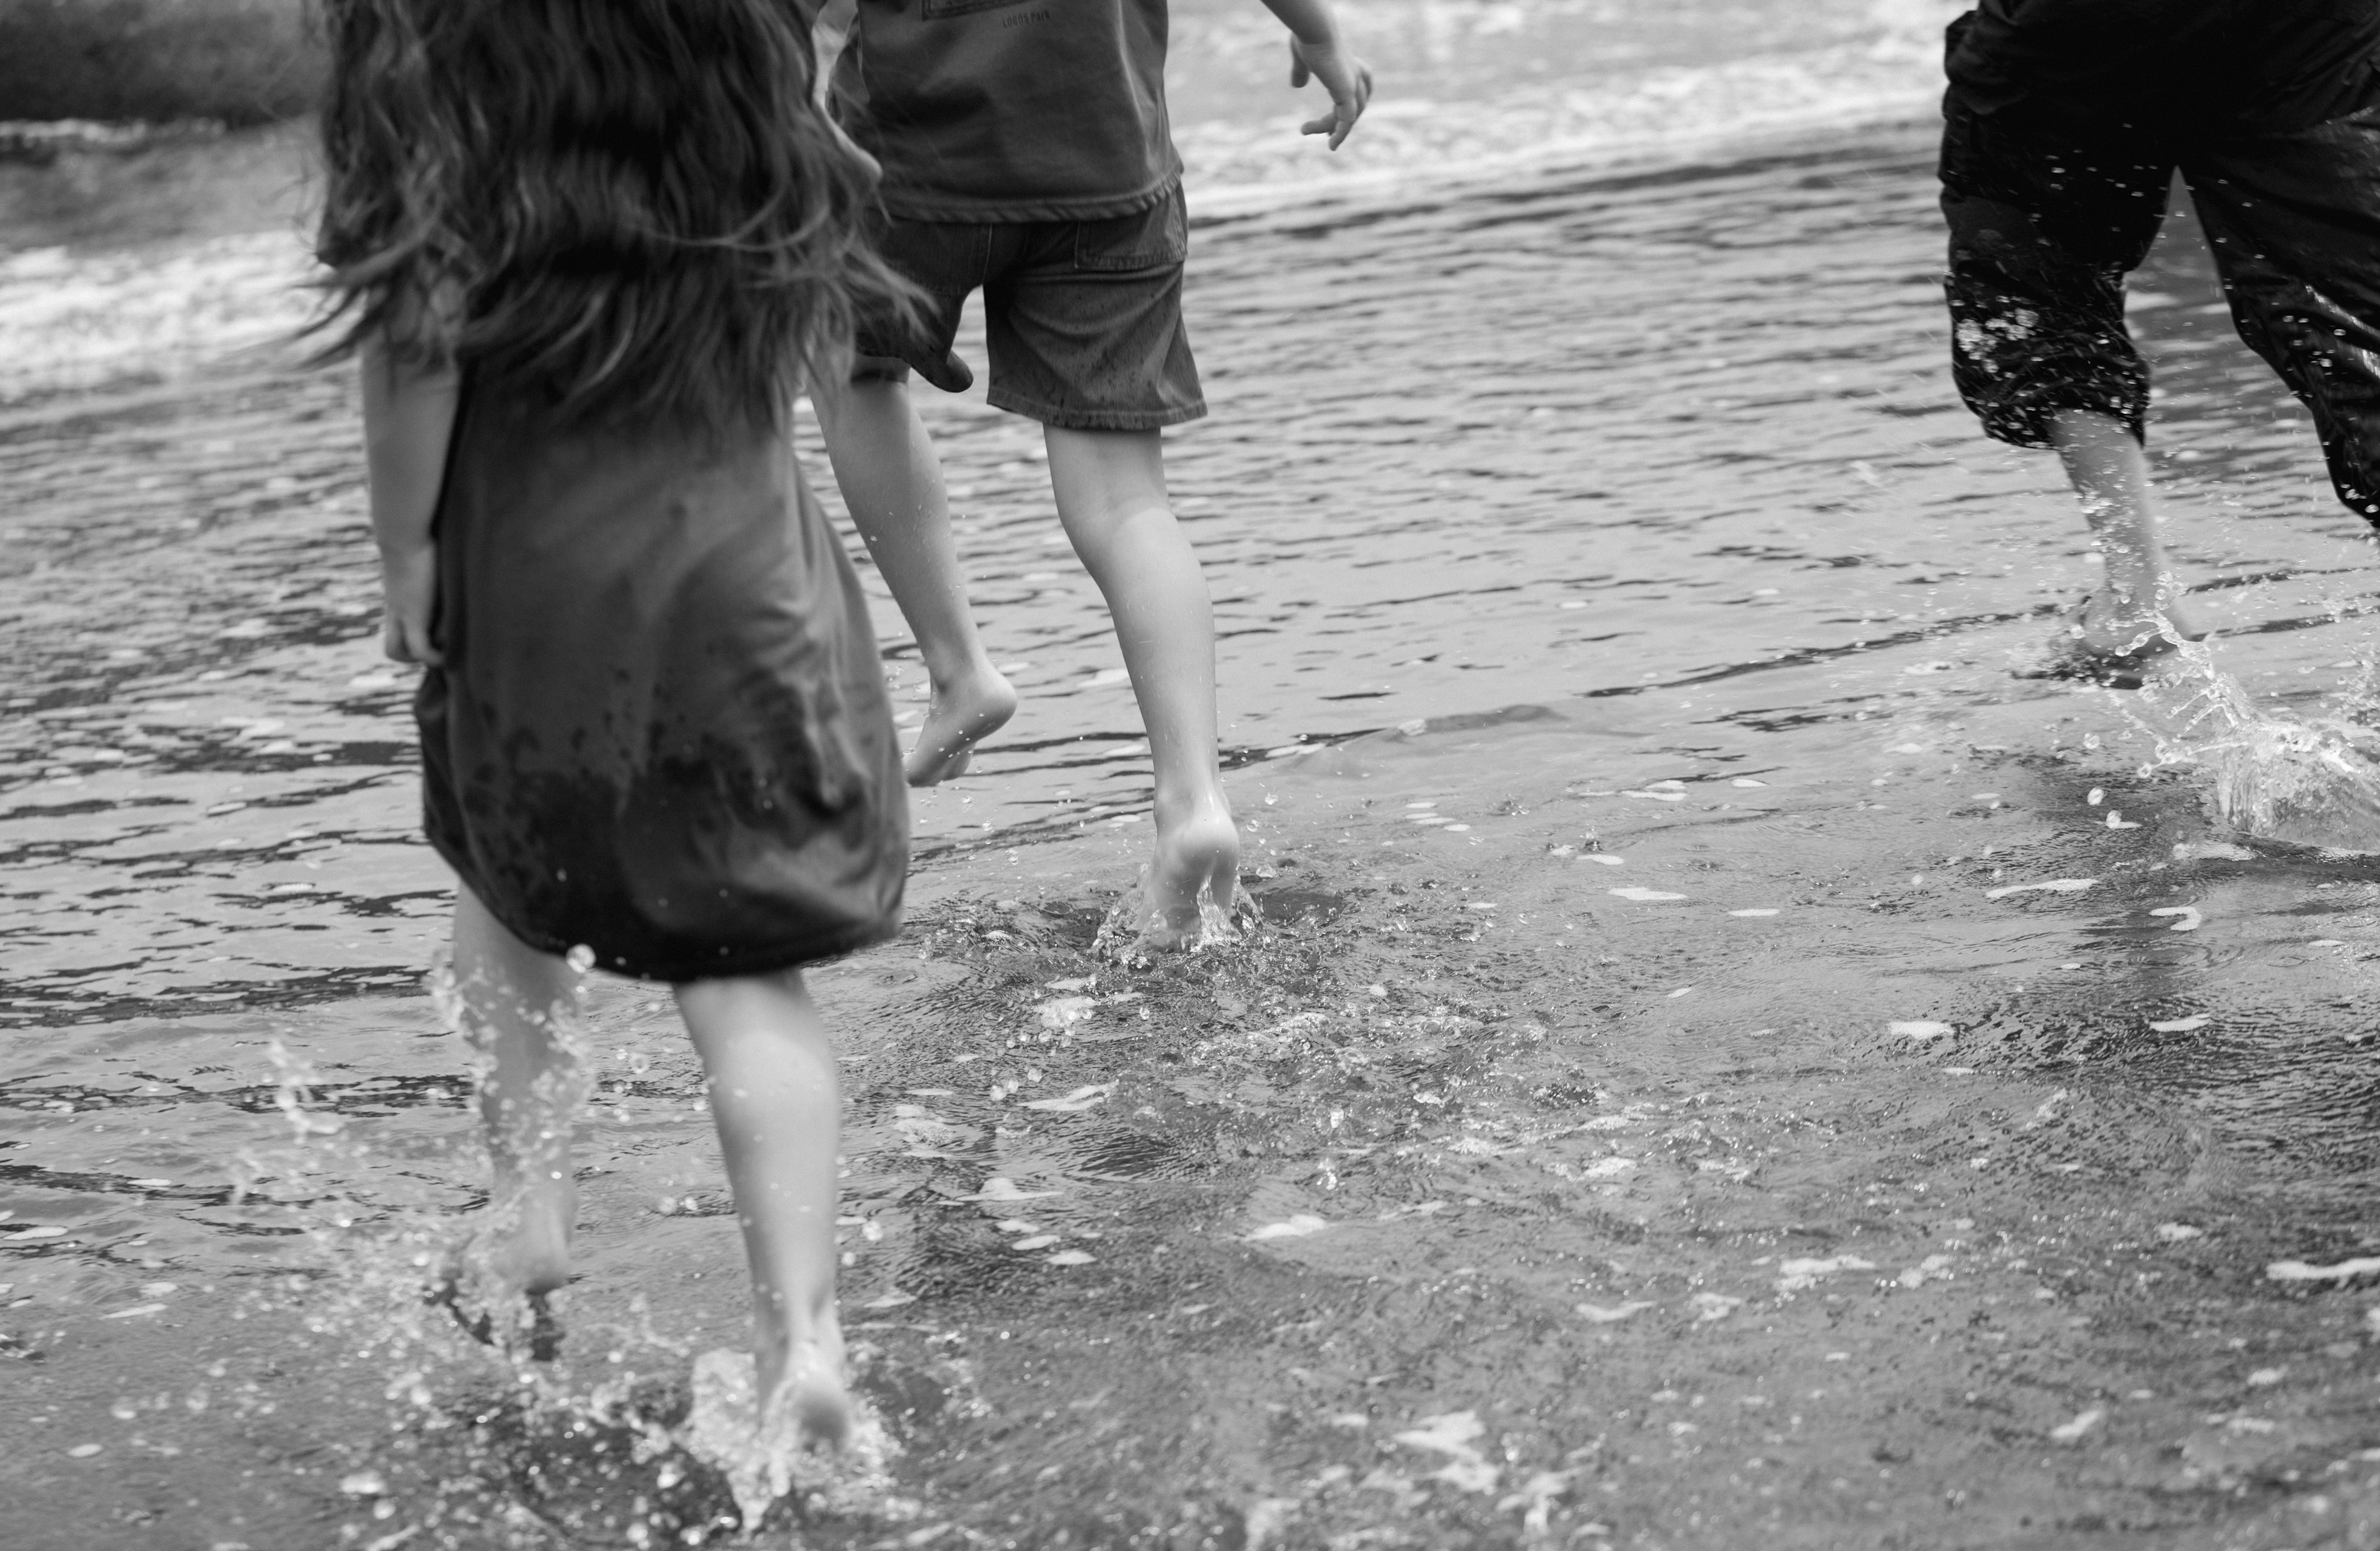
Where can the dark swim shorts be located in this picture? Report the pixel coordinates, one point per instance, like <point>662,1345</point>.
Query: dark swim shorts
<point>2044,229</point>
<point>1083,318</point>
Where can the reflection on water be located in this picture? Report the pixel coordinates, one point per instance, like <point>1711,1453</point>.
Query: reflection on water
<point>1724,1060</point>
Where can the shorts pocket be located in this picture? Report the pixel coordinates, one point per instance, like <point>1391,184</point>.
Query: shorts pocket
<point>1157,237</point>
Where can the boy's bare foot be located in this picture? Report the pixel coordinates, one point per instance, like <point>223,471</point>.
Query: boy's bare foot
<point>962,714</point>
<point>2107,626</point>
<point>1197,861</point>
<point>2115,641</point>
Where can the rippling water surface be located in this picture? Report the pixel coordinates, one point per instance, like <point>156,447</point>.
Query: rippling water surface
<point>1726,1058</point>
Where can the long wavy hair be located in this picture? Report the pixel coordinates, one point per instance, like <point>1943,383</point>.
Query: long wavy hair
<point>631,207</point>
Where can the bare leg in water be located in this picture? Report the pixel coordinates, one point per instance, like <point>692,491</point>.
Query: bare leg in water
<point>1111,490</point>
<point>774,1098</point>
<point>2140,598</point>
<point>515,999</point>
<point>893,483</point>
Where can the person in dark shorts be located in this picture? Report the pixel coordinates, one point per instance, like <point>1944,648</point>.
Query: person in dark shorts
<point>654,731</point>
<point>1027,154</point>
<point>2066,121</point>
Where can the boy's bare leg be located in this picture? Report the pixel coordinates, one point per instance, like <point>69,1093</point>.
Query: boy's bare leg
<point>1111,490</point>
<point>512,995</point>
<point>773,1098</point>
<point>893,483</point>
<point>2141,595</point>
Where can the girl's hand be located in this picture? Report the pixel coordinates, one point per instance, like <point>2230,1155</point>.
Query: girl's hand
<point>1346,77</point>
<point>408,424</point>
<point>409,583</point>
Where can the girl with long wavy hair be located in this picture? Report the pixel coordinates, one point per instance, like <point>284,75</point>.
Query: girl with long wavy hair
<point>586,252</point>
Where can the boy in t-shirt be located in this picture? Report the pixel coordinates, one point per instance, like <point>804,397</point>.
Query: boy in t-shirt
<point>1026,151</point>
<point>2066,120</point>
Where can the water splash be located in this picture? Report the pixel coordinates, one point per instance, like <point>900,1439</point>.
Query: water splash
<point>628,1437</point>
<point>767,1458</point>
<point>1135,931</point>
<point>2275,775</point>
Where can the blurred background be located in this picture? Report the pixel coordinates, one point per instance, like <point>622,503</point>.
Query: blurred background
<point>236,61</point>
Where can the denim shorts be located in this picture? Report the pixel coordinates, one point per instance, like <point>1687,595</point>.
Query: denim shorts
<point>1082,319</point>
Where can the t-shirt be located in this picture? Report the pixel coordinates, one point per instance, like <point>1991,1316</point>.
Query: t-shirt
<point>1013,109</point>
<point>2165,66</point>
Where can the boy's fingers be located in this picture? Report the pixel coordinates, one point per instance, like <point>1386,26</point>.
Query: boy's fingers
<point>1342,122</point>
<point>1347,113</point>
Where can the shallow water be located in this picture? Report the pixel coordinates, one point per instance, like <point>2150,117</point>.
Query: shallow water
<point>1726,1058</point>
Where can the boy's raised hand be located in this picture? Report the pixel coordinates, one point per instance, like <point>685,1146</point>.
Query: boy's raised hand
<point>1343,75</point>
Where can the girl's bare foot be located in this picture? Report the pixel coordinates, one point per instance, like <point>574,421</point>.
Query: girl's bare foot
<point>526,1246</point>
<point>964,711</point>
<point>496,1287</point>
<point>803,1383</point>
<point>1198,858</point>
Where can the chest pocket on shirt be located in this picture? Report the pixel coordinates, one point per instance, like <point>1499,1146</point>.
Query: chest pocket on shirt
<point>1157,237</point>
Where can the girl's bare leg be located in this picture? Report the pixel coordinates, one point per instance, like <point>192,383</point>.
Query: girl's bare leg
<point>512,995</point>
<point>1111,490</point>
<point>885,466</point>
<point>773,1096</point>
<point>2142,595</point>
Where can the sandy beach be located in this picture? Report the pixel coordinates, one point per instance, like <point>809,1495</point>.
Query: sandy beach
<point>1727,1061</point>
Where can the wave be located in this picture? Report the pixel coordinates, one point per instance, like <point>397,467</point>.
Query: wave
<point>72,322</point>
<point>1404,147</point>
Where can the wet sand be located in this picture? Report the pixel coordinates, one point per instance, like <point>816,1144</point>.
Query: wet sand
<point>1659,1112</point>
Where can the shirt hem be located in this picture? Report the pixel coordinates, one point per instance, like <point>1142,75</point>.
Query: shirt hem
<point>954,210</point>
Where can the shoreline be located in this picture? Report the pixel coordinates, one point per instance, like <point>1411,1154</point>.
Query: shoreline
<point>86,183</point>
<point>1585,161</point>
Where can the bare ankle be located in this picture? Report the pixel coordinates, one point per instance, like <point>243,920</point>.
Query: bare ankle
<point>1187,889</point>
<point>968,705</point>
<point>798,1368</point>
<point>526,1247</point>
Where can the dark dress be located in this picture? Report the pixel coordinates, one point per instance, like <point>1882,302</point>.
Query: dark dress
<point>661,730</point>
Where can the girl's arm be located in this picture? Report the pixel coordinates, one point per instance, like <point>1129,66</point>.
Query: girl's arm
<point>408,419</point>
<point>830,35</point>
<point>1316,48</point>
